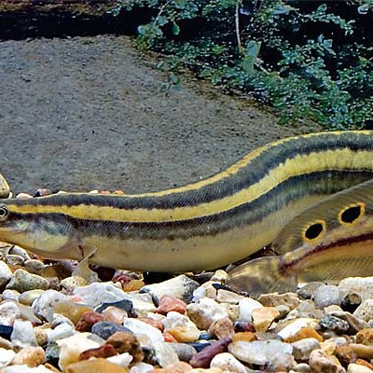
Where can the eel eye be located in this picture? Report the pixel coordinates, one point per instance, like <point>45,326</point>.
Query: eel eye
<point>314,231</point>
<point>3,212</point>
<point>351,214</point>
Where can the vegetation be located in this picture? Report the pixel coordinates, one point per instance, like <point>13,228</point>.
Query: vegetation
<point>311,60</point>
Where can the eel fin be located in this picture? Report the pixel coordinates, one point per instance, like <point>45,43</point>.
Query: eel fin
<point>262,275</point>
<point>83,270</point>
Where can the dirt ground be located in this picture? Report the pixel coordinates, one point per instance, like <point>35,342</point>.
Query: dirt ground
<point>90,112</point>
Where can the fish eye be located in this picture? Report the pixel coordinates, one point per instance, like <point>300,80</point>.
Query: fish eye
<point>3,212</point>
<point>352,214</point>
<point>314,231</point>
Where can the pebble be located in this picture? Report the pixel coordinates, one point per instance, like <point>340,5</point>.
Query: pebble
<point>104,329</point>
<point>350,302</point>
<point>303,348</point>
<point>227,363</point>
<point>206,290</point>
<point>44,305</point>
<point>326,295</point>
<point>357,368</point>
<point>87,320</point>
<point>23,334</point>
<point>204,313</point>
<point>289,300</point>
<point>72,347</point>
<point>184,351</point>
<point>274,355</point>
<point>70,283</point>
<point>9,312</point>
<point>295,326</point>
<point>181,287</point>
<point>263,317</point>
<point>365,310</point>
<point>308,290</point>
<point>103,351</point>
<point>140,327</point>
<point>28,297</point>
<point>122,360</point>
<point>164,354</point>
<point>125,342</point>
<point>221,328</point>
<point>114,314</point>
<point>168,303</point>
<point>202,359</point>
<point>180,327</point>
<point>5,274</point>
<point>34,266</point>
<point>246,306</point>
<point>30,356</point>
<point>73,311</point>
<point>226,296</point>
<point>59,332</point>
<point>124,305</point>
<point>365,336</point>
<point>6,356</point>
<point>14,260</point>
<point>320,362</point>
<point>363,286</point>
<point>95,365</point>
<point>10,295</point>
<point>23,281</point>
<point>334,323</point>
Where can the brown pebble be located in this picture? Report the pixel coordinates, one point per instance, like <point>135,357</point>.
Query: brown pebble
<point>345,355</point>
<point>290,300</point>
<point>365,336</point>
<point>263,317</point>
<point>71,310</point>
<point>364,363</point>
<point>102,351</point>
<point>95,365</point>
<point>244,336</point>
<point>87,320</point>
<point>203,358</point>
<point>169,303</point>
<point>134,285</point>
<point>126,342</point>
<point>222,328</point>
<point>30,356</point>
<point>304,333</point>
<point>114,314</point>
<point>152,322</point>
<point>320,362</point>
<point>168,337</point>
<point>52,368</point>
<point>362,351</point>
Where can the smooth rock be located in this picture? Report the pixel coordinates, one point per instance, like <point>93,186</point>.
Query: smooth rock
<point>105,329</point>
<point>14,260</point>
<point>87,320</point>
<point>354,322</point>
<point>222,328</point>
<point>6,331</point>
<point>226,296</point>
<point>23,281</point>
<point>334,323</point>
<point>114,314</point>
<point>133,285</point>
<point>227,363</point>
<point>10,295</point>
<point>273,355</point>
<point>44,305</point>
<point>28,297</point>
<point>6,356</point>
<point>5,274</point>
<point>357,368</point>
<point>72,347</point>
<point>30,356</point>
<point>263,317</point>
<point>95,365</point>
<point>103,351</point>
<point>320,362</point>
<point>141,368</point>
<point>139,327</point>
<point>180,327</point>
<point>308,291</point>
<point>362,351</point>
<point>70,283</point>
<point>165,355</point>
<point>59,332</point>
<point>219,275</point>
<point>34,266</point>
<point>16,250</point>
<point>244,336</point>
<point>303,333</point>
<point>365,310</point>
<point>124,305</point>
<point>181,287</point>
<point>326,295</point>
<point>290,300</point>
<point>168,303</point>
<point>123,360</point>
<point>23,334</point>
<point>184,351</point>
<point>203,359</point>
<point>302,368</point>
<point>204,313</point>
<point>303,348</point>
<point>124,342</point>
<point>295,326</point>
<point>9,312</point>
<point>365,336</point>
<point>246,307</point>
<point>363,286</point>
<point>206,290</point>
<point>73,311</point>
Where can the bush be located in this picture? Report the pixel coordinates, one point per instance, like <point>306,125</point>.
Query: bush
<point>312,61</point>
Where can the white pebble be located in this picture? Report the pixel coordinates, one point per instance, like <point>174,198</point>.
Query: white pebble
<point>140,327</point>
<point>23,334</point>
<point>6,357</point>
<point>246,307</point>
<point>124,360</point>
<point>227,363</point>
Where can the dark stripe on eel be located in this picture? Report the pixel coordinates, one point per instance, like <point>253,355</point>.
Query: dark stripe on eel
<point>320,183</point>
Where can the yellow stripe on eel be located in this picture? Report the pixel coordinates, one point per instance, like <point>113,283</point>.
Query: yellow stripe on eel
<point>203,225</point>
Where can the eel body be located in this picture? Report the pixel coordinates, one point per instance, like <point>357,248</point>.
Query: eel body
<point>204,225</point>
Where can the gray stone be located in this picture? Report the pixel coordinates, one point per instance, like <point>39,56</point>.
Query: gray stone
<point>303,348</point>
<point>8,313</point>
<point>308,291</point>
<point>44,305</point>
<point>164,354</point>
<point>326,295</point>
<point>105,329</point>
<point>334,323</point>
<point>365,310</point>
<point>181,287</point>
<point>363,286</point>
<point>23,334</point>
<point>227,363</point>
<point>184,351</point>
<point>274,355</point>
<point>23,281</point>
<point>5,274</point>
